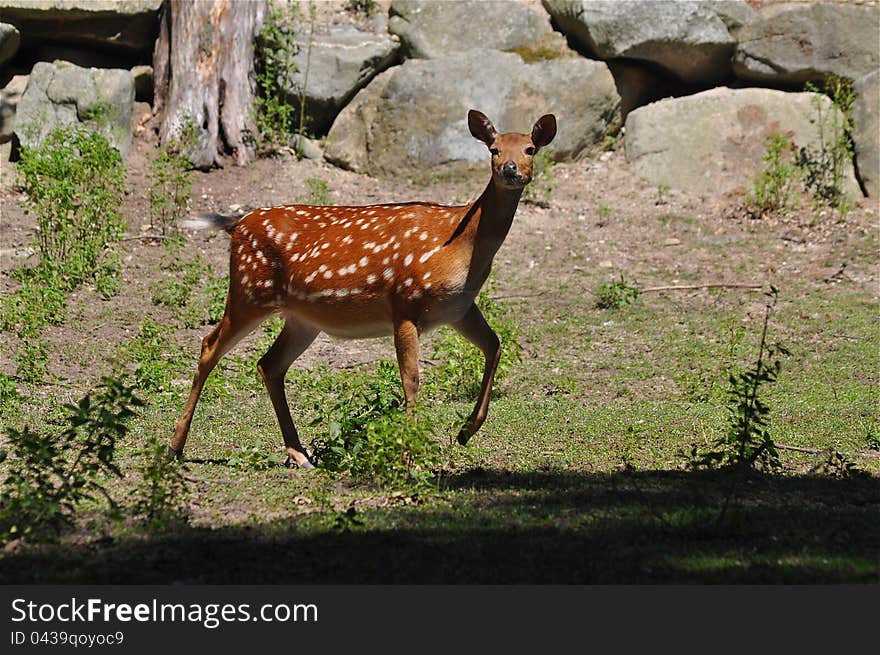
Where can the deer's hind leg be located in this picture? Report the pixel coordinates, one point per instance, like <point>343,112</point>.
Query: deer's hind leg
<point>295,337</point>
<point>229,331</point>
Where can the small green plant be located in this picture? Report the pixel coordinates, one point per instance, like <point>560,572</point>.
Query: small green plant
<point>540,189</point>
<point>774,187</point>
<point>157,360</point>
<point>50,474</point>
<point>170,177</point>
<point>459,374</point>
<point>275,48</point>
<point>604,212</point>
<point>662,191</point>
<point>347,521</point>
<point>616,294</point>
<point>160,499</point>
<point>837,465</point>
<point>183,289</point>
<point>747,442</point>
<point>253,458</point>
<point>366,8</point>
<point>824,165</point>
<point>369,435</point>
<point>10,399</point>
<point>318,192</point>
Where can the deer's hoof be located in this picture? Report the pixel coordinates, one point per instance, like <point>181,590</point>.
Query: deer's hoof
<point>174,454</point>
<point>463,437</point>
<point>292,463</point>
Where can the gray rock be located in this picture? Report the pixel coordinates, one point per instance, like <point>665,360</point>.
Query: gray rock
<point>10,95</point>
<point>713,142</point>
<point>343,60</point>
<point>735,14</point>
<point>428,28</point>
<point>307,148</point>
<point>119,25</point>
<point>795,43</point>
<point>9,42</point>
<point>143,83</point>
<point>60,94</point>
<point>687,38</point>
<point>414,117</point>
<point>866,132</point>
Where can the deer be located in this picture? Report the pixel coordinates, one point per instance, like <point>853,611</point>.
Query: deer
<point>367,271</point>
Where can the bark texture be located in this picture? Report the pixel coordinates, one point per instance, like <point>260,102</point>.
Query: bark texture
<point>204,71</point>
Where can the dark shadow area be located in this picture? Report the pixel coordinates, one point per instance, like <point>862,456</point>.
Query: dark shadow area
<point>503,527</point>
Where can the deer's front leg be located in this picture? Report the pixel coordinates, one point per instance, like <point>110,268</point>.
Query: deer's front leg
<point>474,328</point>
<point>406,343</point>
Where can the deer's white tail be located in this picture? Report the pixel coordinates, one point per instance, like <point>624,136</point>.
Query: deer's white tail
<point>211,221</point>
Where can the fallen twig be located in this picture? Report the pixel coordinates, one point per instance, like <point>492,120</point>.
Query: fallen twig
<point>518,297</point>
<point>146,236</point>
<point>711,285</point>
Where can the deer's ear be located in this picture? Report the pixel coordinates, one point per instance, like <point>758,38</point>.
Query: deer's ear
<point>544,130</point>
<point>481,127</point>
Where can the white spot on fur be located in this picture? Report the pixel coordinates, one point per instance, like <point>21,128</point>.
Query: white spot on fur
<point>371,278</point>
<point>388,273</point>
<point>407,260</point>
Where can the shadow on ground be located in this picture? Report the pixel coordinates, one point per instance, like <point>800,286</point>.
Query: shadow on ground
<point>502,527</point>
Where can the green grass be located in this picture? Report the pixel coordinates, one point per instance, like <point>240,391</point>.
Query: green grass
<point>580,473</point>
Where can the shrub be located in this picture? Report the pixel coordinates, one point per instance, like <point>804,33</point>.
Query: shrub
<point>74,183</point>
<point>824,165</point>
<point>774,187</point>
<point>275,46</point>
<point>747,442</point>
<point>318,192</point>
<point>368,433</point>
<point>614,295</point>
<point>170,177</point>
<point>50,474</point>
<point>160,498</point>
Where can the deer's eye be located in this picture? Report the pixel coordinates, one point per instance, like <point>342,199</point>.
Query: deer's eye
<point>530,150</point>
<point>494,151</point>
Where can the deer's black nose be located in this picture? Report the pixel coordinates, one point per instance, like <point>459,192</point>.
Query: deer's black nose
<point>509,168</point>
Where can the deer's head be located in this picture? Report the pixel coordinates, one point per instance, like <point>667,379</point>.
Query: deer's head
<point>512,153</point>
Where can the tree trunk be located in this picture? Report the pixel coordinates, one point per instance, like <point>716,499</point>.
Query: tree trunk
<point>204,71</point>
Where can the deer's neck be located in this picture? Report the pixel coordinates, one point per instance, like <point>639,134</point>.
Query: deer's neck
<point>492,217</point>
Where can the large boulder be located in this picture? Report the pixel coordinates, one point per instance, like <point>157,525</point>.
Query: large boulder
<point>689,39</point>
<point>60,94</point>
<point>342,61</point>
<point>414,117</point>
<point>428,28</point>
<point>714,142</point>
<point>10,95</point>
<point>866,131</point>
<point>735,14</point>
<point>793,43</point>
<point>9,42</point>
<point>121,25</point>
